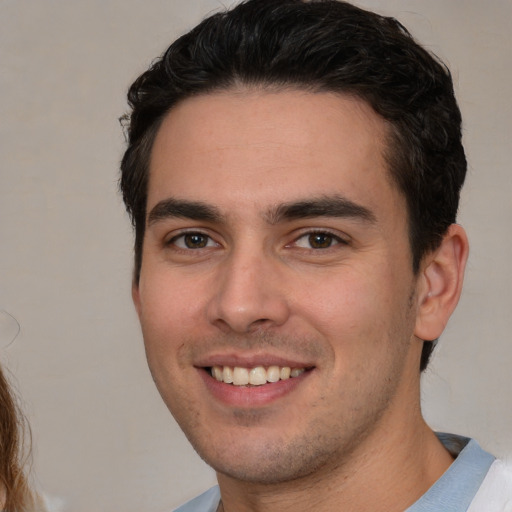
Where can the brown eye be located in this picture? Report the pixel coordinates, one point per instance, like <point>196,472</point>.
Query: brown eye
<point>317,240</point>
<point>192,241</point>
<point>195,240</point>
<point>320,240</point>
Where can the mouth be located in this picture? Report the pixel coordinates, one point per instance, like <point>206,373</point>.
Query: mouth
<point>252,381</point>
<point>256,376</point>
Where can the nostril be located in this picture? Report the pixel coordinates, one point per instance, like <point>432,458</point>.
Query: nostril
<point>243,303</point>
<point>259,323</point>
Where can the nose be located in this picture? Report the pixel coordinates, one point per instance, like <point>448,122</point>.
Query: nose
<point>249,294</point>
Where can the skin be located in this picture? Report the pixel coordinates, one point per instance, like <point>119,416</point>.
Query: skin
<point>248,282</point>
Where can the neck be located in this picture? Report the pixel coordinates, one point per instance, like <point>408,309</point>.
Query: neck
<point>389,472</point>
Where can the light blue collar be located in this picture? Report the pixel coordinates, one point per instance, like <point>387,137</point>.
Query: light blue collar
<point>455,490</point>
<point>206,502</point>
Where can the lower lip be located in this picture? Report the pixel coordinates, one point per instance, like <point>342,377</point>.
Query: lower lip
<point>251,396</point>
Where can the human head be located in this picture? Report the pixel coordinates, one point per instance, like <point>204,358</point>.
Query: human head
<point>15,494</point>
<point>316,46</point>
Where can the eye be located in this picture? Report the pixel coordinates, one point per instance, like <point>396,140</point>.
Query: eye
<point>318,240</point>
<point>192,240</point>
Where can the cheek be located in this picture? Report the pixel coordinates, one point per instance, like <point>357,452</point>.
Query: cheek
<point>169,314</point>
<point>357,313</point>
<point>169,304</point>
<point>166,321</point>
<point>343,303</point>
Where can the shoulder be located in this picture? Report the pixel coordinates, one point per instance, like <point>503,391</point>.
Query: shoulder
<point>495,493</point>
<point>206,502</point>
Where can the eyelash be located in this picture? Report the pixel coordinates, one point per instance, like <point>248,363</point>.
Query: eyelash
<point>332,240</point>
<point>173,241</point>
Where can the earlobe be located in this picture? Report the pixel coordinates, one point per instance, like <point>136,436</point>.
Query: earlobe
<point>441,283</point>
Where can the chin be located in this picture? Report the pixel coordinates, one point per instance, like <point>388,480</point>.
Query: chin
<point>266,463</point>
<point>255,472</point>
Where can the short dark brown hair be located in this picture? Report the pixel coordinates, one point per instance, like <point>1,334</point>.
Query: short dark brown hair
<point>318,46</point>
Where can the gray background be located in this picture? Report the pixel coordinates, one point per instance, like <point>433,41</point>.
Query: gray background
<point>103,439</point>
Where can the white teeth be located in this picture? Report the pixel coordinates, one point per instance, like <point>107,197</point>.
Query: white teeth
<point>296,372</point>
<point>227,375</point>
<point>240,376</point>
<point>217,373</point>
<point>285,372</point>
<point>273,374</point>
<point>256,376</point>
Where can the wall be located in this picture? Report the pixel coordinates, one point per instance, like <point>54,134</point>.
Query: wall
<point>103,439</point>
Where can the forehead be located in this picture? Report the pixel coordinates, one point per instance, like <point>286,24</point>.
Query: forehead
<point>269,147</point>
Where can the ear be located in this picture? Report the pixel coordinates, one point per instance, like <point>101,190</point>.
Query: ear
<point>440,286</point>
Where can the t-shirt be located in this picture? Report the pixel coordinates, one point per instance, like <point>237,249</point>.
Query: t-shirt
<point>475,482</point>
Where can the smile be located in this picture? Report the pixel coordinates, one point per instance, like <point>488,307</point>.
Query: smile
<point>257,376</point>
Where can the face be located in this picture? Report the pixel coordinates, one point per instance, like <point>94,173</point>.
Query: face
<point>276,296</point>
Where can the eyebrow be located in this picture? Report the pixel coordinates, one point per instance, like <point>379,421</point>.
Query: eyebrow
<point>328,206</point>
<point>194,210</point>
<point>335,206</point>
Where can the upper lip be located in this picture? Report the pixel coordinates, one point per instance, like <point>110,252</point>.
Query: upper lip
<point>250,361</point>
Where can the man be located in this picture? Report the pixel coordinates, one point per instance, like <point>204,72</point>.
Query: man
<point>293,175</point>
